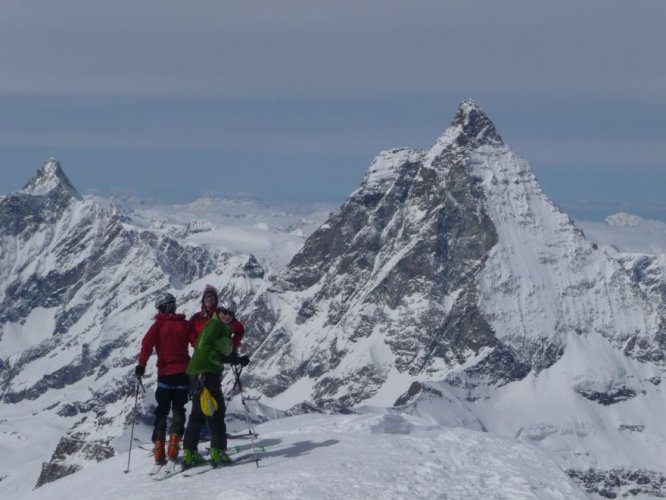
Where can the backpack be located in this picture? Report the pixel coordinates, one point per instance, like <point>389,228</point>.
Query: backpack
<point>208,402</point>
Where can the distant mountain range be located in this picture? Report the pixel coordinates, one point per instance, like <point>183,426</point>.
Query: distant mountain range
<point>447,285</point>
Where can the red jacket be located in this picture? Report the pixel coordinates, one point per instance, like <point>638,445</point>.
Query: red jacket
<point>170,336</point>
<point>200,319</point>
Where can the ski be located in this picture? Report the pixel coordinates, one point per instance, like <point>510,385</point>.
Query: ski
<point>247,435</point>
<point>177,468</point>
<point>155,469</point>
<point>235,450</point>
<point>171,468</point>
<point>195,470</point>
<point>200,469</point>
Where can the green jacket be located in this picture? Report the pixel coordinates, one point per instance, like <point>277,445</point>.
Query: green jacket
<point>213,346</point>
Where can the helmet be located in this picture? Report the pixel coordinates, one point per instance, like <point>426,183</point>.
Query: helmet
<point>227,305</point>
<point>166,303</point>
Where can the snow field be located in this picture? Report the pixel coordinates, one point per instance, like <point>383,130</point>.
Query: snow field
<point>377,454</point>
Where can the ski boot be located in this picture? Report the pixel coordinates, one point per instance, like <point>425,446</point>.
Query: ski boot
<point>219,457</point>
<point>192,458</point>
<point>158,455</point>
<point>174,447</point>
<point>158,452</point>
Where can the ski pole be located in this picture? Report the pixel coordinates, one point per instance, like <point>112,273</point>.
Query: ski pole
<point>237,372</point>
<point>248,420</point>
<point>136,399</point>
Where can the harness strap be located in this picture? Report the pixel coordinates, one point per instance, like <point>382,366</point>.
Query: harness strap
<point>163,385</point>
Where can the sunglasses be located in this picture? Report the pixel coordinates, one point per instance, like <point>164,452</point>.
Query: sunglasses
<point>227,312</point>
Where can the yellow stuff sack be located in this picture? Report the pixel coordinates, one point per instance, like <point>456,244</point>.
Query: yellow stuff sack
<point>208,402</point>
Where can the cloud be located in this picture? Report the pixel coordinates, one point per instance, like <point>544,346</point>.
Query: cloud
<point>292,48</point>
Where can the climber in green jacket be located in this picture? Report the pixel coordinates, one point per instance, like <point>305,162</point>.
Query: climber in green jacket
<point>213,350</point>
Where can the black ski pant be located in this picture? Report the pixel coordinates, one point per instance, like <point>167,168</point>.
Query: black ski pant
<point>171,396</point>
<point>218,429</point>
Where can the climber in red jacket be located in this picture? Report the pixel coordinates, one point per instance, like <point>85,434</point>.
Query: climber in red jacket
<point>170,336</point>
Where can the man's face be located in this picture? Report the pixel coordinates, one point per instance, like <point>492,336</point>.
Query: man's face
<point>226,317</point>
<point>209,302</point>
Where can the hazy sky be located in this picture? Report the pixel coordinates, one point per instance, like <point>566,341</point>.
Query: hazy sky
<point>293,98</point>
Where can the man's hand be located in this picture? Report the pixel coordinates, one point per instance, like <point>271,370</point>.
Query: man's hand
<point>234,359</point>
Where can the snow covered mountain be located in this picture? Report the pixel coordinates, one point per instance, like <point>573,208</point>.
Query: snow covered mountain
<point>639,245</point>
<point>446,263</point>
<point>78,286</point>
<point>449,274</point>
<point>447,291</point>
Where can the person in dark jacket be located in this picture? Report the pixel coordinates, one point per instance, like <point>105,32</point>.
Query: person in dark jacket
<point>213,350</point>
<point>170,336</point>
<point>209,306</point>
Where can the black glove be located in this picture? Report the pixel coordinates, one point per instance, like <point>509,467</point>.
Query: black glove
<point>244,360</point>
<point>139,371</point>
<point>233,359</point>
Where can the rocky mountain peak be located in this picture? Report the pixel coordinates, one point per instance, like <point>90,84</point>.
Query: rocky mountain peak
<point>475,125</point>
<point>428,270</point>
<point>49,177</point>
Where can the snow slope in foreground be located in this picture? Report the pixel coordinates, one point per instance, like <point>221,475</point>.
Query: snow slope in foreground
<point>376,454</point>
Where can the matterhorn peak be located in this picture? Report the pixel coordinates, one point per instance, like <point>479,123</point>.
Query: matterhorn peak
<point>470,129</point>
<point>476,127</point>
<point>50,176</point>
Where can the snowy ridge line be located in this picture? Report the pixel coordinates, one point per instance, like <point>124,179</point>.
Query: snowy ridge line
<point>374,455</point>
